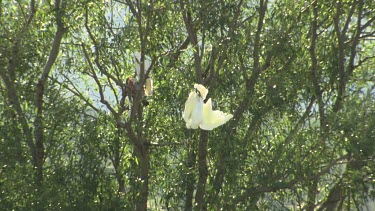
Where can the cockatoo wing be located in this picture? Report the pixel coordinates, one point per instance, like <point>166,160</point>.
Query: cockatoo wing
<point>189,106</point>
<point>193,112</point>
<point>213,119</point>
<point>202,90</point>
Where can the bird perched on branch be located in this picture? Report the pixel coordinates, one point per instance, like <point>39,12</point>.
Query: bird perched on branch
<point>137,64</point>
<point>148,86</point>
<point>193,113</point>
<point>130,83</point>
<point>200,114</point>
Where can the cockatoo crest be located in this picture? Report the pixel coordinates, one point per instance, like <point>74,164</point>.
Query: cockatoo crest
<point>201,89</point>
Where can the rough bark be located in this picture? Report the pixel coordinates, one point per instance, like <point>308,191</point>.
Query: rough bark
<point>144,166</point>
<point>313,186</point>
<point>190,180</point>
<point>40,91</point>
<point>202,171</point>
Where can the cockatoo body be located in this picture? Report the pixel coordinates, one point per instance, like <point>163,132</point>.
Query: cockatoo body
<point>137,63</point>
<point>193,113</point>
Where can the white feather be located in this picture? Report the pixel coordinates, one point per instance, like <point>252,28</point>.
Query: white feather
<point>149,87</point>
<point>213,119</point>
<point>137,64</point>
<point>199,114</point>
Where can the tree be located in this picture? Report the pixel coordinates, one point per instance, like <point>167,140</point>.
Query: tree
<point>297,76</point>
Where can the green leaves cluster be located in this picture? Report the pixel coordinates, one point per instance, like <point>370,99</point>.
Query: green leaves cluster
<point>298,76</point>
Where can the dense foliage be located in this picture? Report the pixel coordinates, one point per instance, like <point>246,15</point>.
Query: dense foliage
<point>298,76</point>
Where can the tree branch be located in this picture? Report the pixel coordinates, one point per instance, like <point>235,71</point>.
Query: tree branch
<point>38,121</point>
<point>186,14</point>
<point>295,129</point>
<point>76,92</point>
<point>249,192</point>
<point>96,79</point>
<point>314,68</point>
<point>250,87</point>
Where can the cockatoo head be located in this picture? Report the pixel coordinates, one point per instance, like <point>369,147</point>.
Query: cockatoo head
<point>199,88</point>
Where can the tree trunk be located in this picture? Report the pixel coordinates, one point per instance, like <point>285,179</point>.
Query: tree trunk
<point>190,180</point>
<point>39,133</point>
<point>337,195</point>
<point>311,195</point>
<point>144,167</point>
<point>203,172</point>
<point>116,163</point>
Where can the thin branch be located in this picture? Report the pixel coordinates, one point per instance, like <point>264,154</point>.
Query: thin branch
<point>349,18</point>
<point>95,77</point>
<point>360,62</point>
<point>186,14</point>
<point>226,41</point>
<point>183,46</point>
<point>355,42</point>
<point>251,82</point>
<point>295,129</point>
<point>250,88</point>
<point>114,91</point>
<point>97,53</point>
<point>76,92</point>
<point>341,57</point>
<point>368,23</point>
<point>38,121</point>
<point>286,185</point>
<point>314,68</point>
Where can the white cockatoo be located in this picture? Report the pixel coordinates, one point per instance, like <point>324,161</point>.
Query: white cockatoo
<point>137,64</point>
<point>200,114</point>
<point>213,119</point>
<point>193,113</point>
<point>149,87</point>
